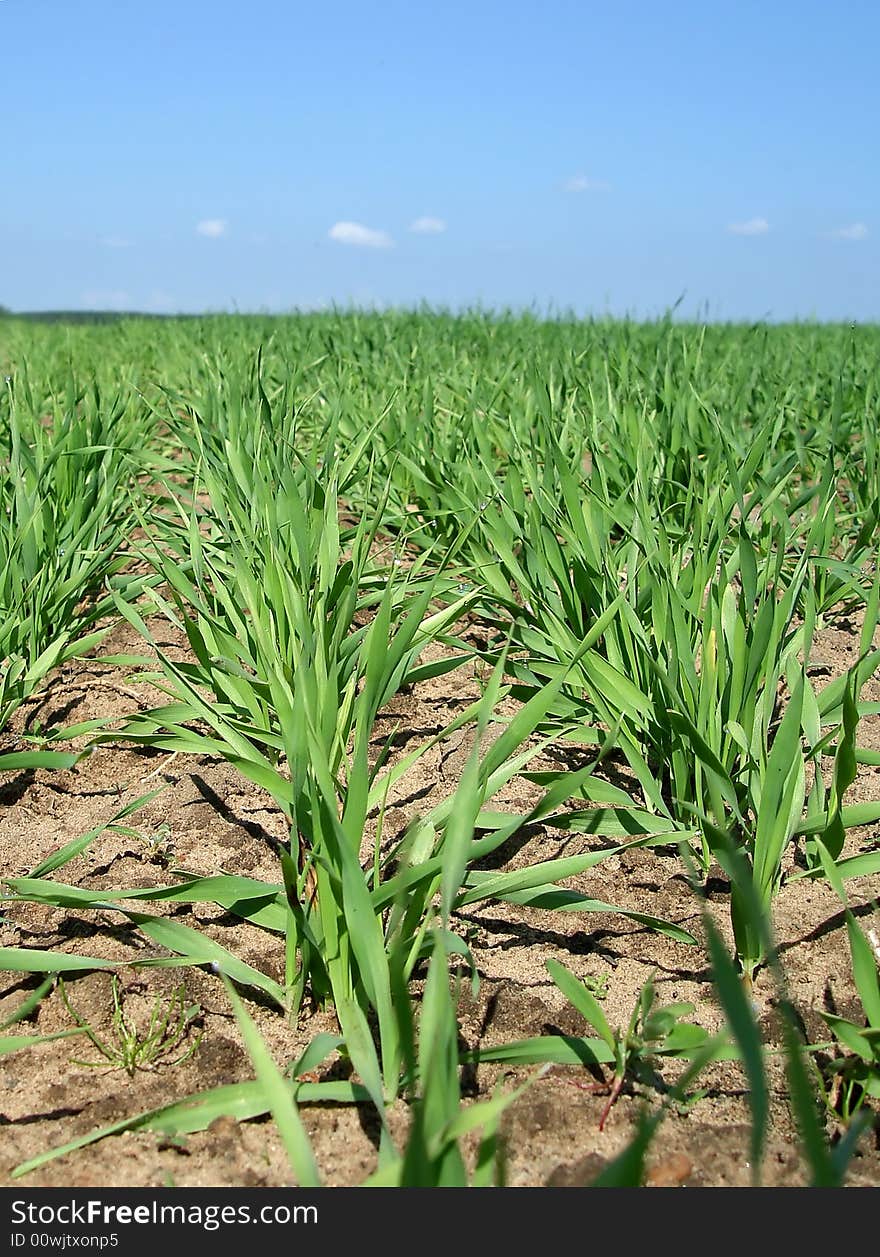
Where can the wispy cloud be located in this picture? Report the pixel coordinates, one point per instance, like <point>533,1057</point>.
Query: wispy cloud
<point>583,183</point>
<point>357,233</point>
<point>116,242</point>
<point>105,299</point>
<point>213,228</point>
<point>855,231</point>
<point>751,227</point>
<point>428,226</point>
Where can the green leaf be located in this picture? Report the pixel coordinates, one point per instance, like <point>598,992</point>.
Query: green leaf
<point>864,971</point>
<point>582,999</point>
<point>548,1049</point>
<point>22,761</point>
<point>844,774</point>
<point>200,950</point>
<point>742,1023</point>
<point>278,1096</point>
<point>15,1042</point>
<point>29,1004</point>
<point>75,848</point>
<point>31,960</point>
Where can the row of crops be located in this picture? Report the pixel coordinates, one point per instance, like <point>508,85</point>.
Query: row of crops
<point>632,535</point>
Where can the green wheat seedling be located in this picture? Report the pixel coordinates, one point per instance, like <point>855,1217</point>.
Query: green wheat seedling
<point>850,1081</point>
<point>300,639</point>
<point>650,1029</point>
<point>172,1024</point>
<point>64,516</point>
<point>693,648</point>
<point>853,1079</point>
<point>827,1161</point>
<point>441,1123</point>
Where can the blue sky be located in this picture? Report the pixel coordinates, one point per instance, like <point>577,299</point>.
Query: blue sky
<point>184,155</point>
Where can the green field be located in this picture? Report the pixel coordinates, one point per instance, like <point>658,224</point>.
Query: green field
<point>637,562</point>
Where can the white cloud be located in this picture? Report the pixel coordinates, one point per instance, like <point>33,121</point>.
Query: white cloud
<point>105,299</point>
<point>855,231</point>
<point>357,233</point>
<point>582,183</point>
<point>116,242</point>
<point>213,228</point>
<point>428,226</point>
<point>751,227</point>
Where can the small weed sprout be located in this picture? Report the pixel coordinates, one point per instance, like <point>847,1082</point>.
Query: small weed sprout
<point>160,846</point>
<point>597,985</point>
<point>126,1047</point>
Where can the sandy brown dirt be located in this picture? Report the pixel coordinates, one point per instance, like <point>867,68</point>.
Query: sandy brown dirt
<point>209,819</point>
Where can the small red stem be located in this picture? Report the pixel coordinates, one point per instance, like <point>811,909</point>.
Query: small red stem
<point>616,1088</point>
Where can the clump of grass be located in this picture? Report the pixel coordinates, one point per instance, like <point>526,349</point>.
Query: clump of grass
<point>173,1024</point>
<point>64,518</point>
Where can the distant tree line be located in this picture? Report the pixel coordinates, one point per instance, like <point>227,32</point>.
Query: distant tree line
<point>84,316</point>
